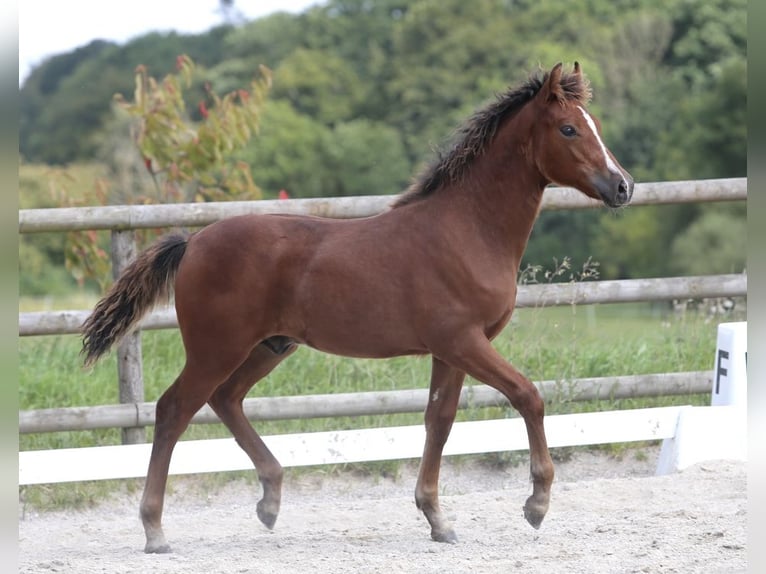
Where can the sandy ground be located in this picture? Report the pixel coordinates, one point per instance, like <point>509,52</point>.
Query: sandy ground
<point>607,515</point>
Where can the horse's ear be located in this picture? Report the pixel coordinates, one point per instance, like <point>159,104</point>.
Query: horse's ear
<point>577,70</point>
<point>551,90</point>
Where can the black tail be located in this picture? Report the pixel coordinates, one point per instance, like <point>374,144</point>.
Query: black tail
<point>144,282</point>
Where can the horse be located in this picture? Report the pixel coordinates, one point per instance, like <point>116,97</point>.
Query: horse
<point>434,274</point>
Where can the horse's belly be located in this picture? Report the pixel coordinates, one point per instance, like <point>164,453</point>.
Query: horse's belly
<point>363,340</point>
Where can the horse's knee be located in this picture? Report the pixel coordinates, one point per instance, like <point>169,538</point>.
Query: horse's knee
<point>529,403</point>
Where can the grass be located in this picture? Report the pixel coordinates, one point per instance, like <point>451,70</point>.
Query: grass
<point>561,343</point>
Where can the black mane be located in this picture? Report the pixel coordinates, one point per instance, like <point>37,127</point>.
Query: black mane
<point>473,137</point>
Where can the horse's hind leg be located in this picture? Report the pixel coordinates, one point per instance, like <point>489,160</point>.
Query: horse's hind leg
<point>443,399</point>
<point>175,408</point>
<point>227,403</point>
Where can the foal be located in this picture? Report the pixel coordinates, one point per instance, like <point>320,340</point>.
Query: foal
<point>435,274</point>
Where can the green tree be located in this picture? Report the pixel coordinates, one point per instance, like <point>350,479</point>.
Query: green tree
<point>629,243</point>
<point>308,159</point>
<point>706,135</point>
<point>265,41</point>
<point>448,56</point>
<point>368,158</point>
<point>70,97</point>
<point>40,88</point>
<point>186,160</point>
<point>64,128</point>
<point>704,35</point>
<point>638,132</point>
<point>318,84</point>
<point>714,243</point>
<point>356,80</point>
<point>289,154</point>
<point>711,129</point>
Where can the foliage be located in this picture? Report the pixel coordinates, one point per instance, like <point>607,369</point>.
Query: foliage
<point>365,91</point>
<point>308,159</point>
<point>195,154</point>
<point>630,240</point>
<point>42,260</point>
<point>716,242</point>
<point>442,69</point>
<point>561,234</point>
<point>65,101</point>
<point>265,41</point>
<point>367,158</point>
<point>705,34</point>
<point>289,154</point>
<point>186,160</point>
<point>318,84</point>
<point>724,105</point>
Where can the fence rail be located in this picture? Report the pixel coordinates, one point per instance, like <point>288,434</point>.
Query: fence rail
<point>136,414</point>
<point>367,403</point>
<point>121,217</point>
<point>360,445</point>
<point>553,294</point>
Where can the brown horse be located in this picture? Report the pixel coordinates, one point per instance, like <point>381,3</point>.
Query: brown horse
<point>435,274</point>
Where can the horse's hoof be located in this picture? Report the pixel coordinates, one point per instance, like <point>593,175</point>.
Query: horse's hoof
<point>268,518</point>
<point>161,549</point>
<point>534,514</point>
<point>447,536</point>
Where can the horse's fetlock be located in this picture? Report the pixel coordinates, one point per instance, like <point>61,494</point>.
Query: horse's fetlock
<point>424,498</point>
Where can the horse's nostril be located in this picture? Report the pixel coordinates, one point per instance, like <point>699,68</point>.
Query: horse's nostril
<point>623,188</point>
<point>623,191</point>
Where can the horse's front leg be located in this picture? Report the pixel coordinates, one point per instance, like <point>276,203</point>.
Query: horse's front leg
<point>475,355</point>
<point>443,399</point>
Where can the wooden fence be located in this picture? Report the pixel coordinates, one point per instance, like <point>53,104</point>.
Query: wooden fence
<point>134,413</point>
<point>126,217</point>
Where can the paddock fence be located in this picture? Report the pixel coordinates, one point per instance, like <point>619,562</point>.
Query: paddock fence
<point>133,414</point>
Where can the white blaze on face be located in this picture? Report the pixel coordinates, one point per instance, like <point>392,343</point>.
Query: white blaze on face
<point>611,166</point>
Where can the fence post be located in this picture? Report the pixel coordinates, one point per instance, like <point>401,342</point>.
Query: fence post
<point>129,368</point>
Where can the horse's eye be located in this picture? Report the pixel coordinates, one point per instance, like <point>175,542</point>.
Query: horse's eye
<point>568,131</point>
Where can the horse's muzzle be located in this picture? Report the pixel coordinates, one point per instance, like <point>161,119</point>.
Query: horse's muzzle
<point>615,190</point>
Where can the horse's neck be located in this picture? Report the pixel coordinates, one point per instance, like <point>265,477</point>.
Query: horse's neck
<point>504,194</point>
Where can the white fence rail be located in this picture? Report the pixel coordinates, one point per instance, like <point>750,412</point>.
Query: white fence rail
<point>335,447</point>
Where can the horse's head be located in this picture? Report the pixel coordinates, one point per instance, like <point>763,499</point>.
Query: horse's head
<point>567,144</point>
